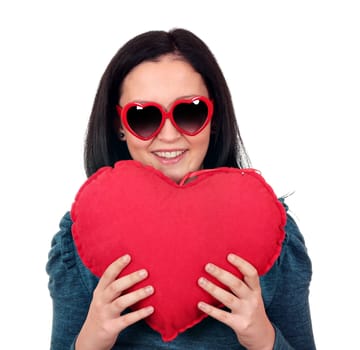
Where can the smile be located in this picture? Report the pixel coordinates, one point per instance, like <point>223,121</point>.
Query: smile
<point>169,154</point>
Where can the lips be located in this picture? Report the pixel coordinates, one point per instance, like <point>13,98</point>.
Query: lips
<point>169,154</point>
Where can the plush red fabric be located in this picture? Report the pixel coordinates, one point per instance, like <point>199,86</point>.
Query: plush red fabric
<point>173,230</point>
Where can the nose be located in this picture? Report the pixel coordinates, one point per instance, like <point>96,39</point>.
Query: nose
<point>168,132</point>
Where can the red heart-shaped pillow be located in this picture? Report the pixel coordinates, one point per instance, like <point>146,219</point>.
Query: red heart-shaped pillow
<point>173,230</point>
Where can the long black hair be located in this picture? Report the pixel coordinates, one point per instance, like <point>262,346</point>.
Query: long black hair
<point>102,145</point>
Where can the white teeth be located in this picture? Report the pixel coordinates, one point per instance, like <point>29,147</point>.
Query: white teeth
<point>169,155</point>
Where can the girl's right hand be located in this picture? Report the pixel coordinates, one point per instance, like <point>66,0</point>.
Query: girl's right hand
<point>104,321</point>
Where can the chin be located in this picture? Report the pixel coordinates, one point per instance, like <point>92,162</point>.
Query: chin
<point>174,177</point>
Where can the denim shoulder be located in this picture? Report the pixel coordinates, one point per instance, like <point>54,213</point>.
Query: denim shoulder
<point>64,264</point>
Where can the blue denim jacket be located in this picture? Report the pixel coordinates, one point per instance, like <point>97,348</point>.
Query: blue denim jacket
<point>285,290</point>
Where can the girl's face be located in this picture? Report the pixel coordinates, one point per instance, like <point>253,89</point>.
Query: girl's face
<point>164,81</point>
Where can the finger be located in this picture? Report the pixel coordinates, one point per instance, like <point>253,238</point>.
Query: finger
<point>251,277</point>
<point>129,299</point>
<point>236,285</point>
<point>114,289</point>
<point>218,314</point>
<point>112,271</point>
<point>132,317</point>
<point>226,298</point>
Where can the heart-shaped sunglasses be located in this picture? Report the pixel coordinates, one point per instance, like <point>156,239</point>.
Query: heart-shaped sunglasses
<point>145,119</point>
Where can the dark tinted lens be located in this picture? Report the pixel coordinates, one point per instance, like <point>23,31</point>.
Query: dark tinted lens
<point>190,116</point>
<point>144,121</point>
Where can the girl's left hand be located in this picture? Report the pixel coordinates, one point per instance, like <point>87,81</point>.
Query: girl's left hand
<point>247,316</point>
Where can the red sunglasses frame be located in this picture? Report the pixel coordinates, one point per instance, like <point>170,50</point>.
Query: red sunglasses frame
<point>122,112</point>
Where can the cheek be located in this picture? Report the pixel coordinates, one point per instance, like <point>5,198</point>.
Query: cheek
<point>201,143</point>
<point>136,147</point>
<point>205,138</point>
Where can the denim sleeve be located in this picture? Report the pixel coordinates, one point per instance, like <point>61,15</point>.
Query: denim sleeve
<point>289,309</point>
<point>70,286</point>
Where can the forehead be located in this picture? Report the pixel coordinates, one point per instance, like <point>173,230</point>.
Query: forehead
<point>162,81</point>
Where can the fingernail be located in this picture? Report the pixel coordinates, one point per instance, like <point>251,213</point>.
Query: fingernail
<point>126,258</point>
<point>149,309</point>
<point>231,257</point>
<point>142,273</point>
<point>202,281</point>
<point>201,305</point>
<point>210,268</point>
<point>149,289</point>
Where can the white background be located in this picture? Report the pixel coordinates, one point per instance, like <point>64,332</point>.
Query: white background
<point>293,69</point>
